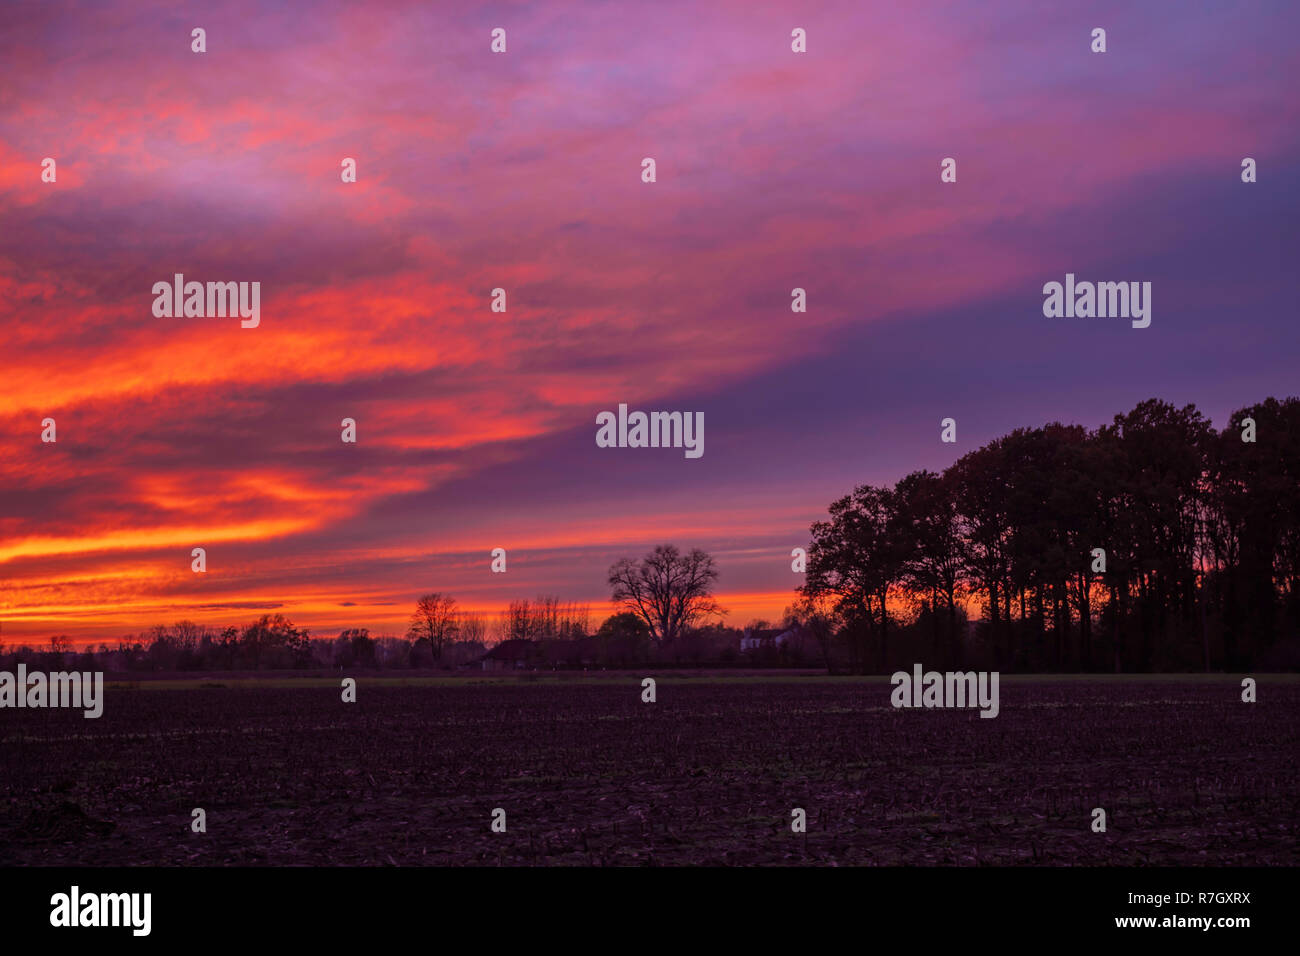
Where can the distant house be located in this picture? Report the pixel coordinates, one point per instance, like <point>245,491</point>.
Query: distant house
<point>570,653</point>
<point>509,656</point>
<point>754,639</point>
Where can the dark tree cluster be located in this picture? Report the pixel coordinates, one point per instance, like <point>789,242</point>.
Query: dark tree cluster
<point>269,643</point>
<point>1154,543</point>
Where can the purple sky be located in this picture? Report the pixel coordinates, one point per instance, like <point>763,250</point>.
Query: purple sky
<point>522,171</point>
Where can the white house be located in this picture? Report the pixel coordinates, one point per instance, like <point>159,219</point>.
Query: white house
<point>752,639</point>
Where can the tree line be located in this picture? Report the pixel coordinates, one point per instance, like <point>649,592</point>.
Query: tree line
<point>1152,543</point>
<point>658,623</point>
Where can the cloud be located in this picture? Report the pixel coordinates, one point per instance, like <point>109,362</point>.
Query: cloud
<point>522,172</point>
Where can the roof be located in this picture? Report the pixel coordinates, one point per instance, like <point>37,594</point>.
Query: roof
<point>515,650</point>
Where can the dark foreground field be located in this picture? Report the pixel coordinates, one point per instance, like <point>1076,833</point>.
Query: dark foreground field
<point>587,774</point>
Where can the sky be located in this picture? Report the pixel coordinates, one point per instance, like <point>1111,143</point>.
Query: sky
<point>522,171</point>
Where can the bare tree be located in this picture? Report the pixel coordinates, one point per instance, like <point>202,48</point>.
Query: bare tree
<point>473,628</point>
<point>436,620</point>
<point>187,635</point>
<point>666,589</point>
<point>817,617</point>
<point>545,618</point>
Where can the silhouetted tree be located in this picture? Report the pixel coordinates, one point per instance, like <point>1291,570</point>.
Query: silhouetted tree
<point>668,590</point>
<point>1198,531</point>
<point>857,558</point>
<point>623,638</point>
<point>935,553</point>
<point>436,621</point>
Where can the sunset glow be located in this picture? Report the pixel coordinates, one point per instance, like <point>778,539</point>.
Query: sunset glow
<point>475,428</point>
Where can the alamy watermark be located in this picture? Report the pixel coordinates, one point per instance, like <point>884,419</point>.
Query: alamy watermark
<point>75,908</point>
<point>950,689</point>
<point>59,689</point>
<point>1103,300</point>
<point>181,299</point>
<point>652,430</point>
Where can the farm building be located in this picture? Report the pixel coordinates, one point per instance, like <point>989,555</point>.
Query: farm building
<point>754,639</point>
<point>510,655</point>
<point>571,653</point>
